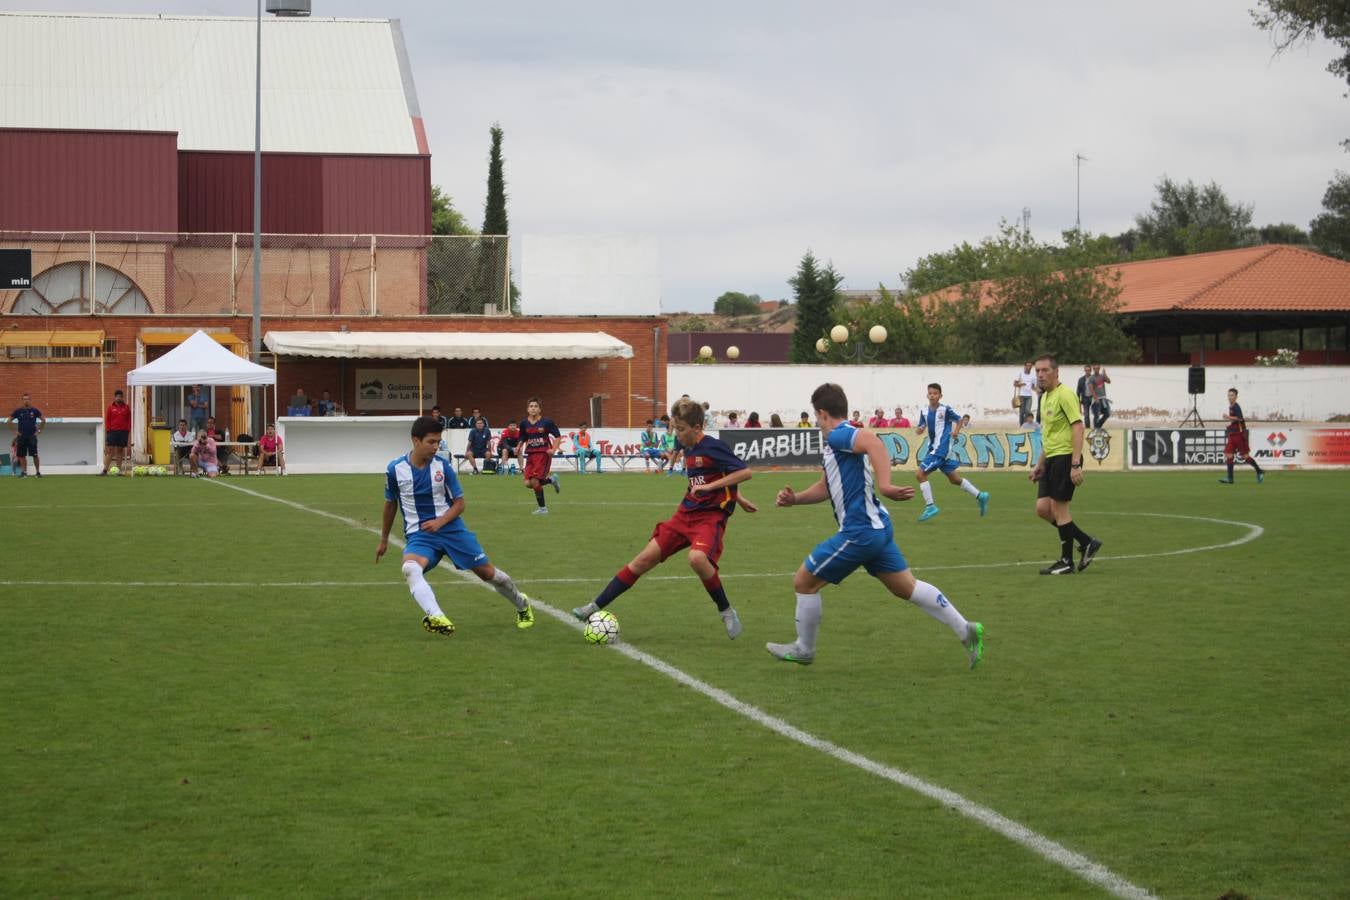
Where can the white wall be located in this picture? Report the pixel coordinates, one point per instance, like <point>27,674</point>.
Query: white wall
<point>1138,393</point>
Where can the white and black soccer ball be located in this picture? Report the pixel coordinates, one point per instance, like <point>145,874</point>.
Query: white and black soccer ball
<point>602,628</point>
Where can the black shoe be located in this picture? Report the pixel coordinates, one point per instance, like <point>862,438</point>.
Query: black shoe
<point>1089,554</point>
<point>1059,567</point>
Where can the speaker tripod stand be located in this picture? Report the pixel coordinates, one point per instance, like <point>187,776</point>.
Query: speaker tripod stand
<point>1193,417</point>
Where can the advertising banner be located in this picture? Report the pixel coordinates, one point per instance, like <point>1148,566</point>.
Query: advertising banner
<point>393,389</point>
<point>787,447</point>
<point>1272,446</point>
<point>1007,449</point>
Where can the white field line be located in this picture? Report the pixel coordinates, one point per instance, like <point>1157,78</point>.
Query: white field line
<point>1037,843</point>
<point>1253,532</point>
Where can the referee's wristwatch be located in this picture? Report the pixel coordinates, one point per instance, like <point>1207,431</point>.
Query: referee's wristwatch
<point>1076,465</point>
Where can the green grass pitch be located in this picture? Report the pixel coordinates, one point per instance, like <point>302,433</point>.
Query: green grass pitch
<point>205,690</point>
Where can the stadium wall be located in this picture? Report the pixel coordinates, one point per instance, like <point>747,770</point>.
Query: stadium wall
<point>1139,394</point>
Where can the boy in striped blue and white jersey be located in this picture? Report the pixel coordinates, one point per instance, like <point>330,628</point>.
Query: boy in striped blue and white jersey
<point>423,486</point>
<point>857,468</point>
<point>942,424</point>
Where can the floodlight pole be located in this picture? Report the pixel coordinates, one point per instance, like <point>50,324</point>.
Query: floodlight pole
<point>257,195</point>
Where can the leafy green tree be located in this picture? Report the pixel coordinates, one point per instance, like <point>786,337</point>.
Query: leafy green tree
<point>495,223</point>
<point>1295,22</point>
<point>1187,219</point>
<point>734,303</point>
<point>816,292</point>
<point>445,219</point>
<point>1330,231</point>
<point>1283,233</point>
<point>1047,298</point>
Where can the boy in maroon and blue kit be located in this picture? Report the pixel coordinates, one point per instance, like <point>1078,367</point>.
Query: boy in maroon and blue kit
<point>699,523</point>
<point>539,439</point>
<point>1236,443</point>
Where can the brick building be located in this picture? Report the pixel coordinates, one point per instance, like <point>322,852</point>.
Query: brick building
<point>129,182</point>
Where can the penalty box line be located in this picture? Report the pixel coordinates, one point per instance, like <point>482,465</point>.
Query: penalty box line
<point>1037,843</point>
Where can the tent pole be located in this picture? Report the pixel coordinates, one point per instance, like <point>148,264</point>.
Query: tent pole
<point>419,386</point>
<point>630,392</point>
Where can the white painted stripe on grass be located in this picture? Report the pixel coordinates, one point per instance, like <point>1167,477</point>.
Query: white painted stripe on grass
<point>1037,843</point>
<point>1253,532</point>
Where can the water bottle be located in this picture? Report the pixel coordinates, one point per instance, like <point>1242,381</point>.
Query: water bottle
<point>227,435</point>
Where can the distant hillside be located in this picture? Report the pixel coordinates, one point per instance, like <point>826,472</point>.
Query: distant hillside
<point>780,320</point>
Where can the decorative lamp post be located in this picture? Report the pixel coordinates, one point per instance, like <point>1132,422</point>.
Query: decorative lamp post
<point>839,336</point>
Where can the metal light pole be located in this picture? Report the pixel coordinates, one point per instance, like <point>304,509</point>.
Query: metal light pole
<point>296,8</point>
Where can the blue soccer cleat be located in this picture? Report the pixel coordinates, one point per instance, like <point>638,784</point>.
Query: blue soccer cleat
<point>983,498</point>
<point>928,512</point>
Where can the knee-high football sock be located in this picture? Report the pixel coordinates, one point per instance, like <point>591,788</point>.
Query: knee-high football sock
<point>421,591</point>
<point>502,584</point>
<point>929,599</point>
<point>718,594</point>
<point>808,621</point>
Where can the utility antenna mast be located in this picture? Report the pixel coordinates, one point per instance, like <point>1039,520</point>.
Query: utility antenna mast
<point>1078,160</point>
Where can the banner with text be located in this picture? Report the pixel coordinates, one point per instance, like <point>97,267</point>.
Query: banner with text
<point>1006,449</point>
<point>759,447</point>
<point>1272,446</point>
<point>394,389</point>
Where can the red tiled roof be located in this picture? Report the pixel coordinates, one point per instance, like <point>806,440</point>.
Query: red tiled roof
<point>1269,278</point>
<point>1273,277</point>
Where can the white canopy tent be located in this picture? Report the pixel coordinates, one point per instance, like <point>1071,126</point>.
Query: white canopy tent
<point>199,359</point>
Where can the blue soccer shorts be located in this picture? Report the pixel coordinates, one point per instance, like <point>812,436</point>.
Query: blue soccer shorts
<point>835,558</point>
<point>461,545</point>
<point>932,462</point>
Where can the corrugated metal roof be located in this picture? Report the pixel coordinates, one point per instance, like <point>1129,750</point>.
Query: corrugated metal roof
<point>328,85</point>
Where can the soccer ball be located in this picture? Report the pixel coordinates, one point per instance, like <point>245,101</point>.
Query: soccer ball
<point>138,470</point>
<point>602,628</point>
<point>113,470</point>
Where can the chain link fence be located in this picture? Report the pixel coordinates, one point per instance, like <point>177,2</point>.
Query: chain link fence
<point>115,273</point>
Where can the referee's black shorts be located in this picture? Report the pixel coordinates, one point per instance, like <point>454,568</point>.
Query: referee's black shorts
<point>1056,482</point>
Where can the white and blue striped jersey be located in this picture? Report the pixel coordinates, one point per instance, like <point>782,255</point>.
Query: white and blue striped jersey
<point>937,425</point>
<point>423,494</point>
<point>851,483</point>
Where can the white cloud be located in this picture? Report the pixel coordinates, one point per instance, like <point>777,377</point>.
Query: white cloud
<point>741,134</point>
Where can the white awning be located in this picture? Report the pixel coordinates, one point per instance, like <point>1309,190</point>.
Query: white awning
<point>451,345</point>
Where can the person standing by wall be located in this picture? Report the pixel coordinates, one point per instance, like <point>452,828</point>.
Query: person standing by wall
<point>1101,407</point>
<point>116,431</point>
<point>199,407</point>
<point>28,422</point>
<point>1024,385</point>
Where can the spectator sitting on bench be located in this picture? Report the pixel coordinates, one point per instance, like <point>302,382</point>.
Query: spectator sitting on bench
<point>180,446</point>
<point>585,449</point>
<point>508,439</point>
<point>478,444</point>
<point>457,420</point>
<point>651,448</point>
<point>670,446</point>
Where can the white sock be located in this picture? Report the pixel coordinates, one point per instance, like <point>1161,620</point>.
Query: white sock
<point>502,584</point>
<point>930,600</point>
<point>969,488</point>
<point>808,621</point>
<point>421,591</point>
<point>927,488</point>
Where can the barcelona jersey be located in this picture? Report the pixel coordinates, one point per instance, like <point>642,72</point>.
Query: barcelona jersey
<point>1238,424</point>
<point>705,462</point>
<point>536,435</point>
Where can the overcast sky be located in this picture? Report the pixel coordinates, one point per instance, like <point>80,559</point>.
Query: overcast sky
<point>741,134</point>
